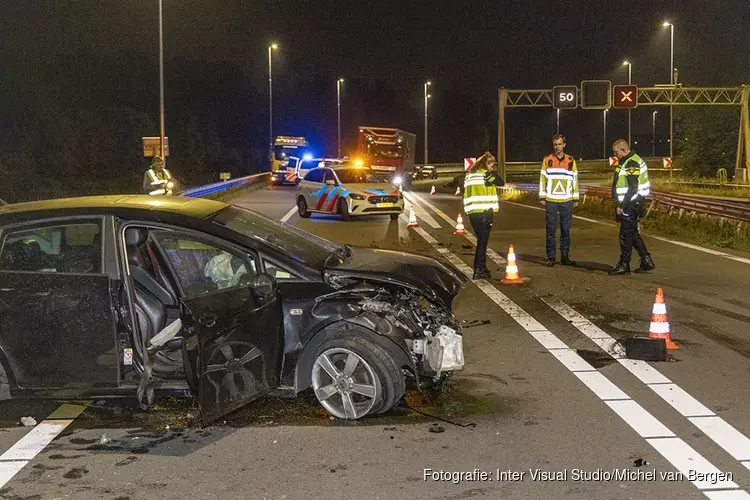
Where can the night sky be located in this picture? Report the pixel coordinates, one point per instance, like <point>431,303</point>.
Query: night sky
<point>385,50</point>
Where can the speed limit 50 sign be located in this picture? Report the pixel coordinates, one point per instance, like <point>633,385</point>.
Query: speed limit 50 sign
<point>565,97</point>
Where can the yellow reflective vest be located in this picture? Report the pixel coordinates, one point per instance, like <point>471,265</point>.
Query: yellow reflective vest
<point>155,182</point>
<point>558,179</point>
<point>478,195</point>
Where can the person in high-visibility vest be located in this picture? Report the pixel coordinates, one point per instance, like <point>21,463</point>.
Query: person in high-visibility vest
<point>558,192</point>
<point>157,179</point>
<point>630,186</point>
<point>481,201</point>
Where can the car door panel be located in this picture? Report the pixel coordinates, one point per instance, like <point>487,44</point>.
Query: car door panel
<point>235,337</point>
<point>65,318</point>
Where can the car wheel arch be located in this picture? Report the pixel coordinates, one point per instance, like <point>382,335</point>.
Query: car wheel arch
<point>303,370</point>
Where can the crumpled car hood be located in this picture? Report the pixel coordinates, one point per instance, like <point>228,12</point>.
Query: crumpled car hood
<point>436,280</point>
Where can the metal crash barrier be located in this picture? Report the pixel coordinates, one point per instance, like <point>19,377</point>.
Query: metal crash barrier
<point>206,189</point>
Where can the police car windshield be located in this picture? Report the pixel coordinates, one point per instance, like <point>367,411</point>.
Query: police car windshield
<point>359,176</point>
<point>296,243</point>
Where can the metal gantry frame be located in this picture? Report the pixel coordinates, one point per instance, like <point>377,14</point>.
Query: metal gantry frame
<point>666,95</point>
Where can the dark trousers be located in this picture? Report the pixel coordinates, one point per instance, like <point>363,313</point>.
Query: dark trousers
<point>630,237</point>
<point>482,225</point>
<point>565,211</point>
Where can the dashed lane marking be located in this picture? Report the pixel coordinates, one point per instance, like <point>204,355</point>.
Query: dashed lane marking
<point>727,437</point>
<point>674,449</point>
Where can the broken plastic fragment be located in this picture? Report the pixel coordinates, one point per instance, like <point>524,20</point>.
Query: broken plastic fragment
<point>639,462</point>
<point>104,439</point>
<point>28,421</point>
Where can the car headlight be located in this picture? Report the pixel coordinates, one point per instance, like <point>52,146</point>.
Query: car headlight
<point>397,180</point>
<point>358,196</point>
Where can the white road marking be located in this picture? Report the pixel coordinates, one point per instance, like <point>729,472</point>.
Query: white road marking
<point>289,214</point>
<point>496,257</point>
<point>727,437</point>
<point>660,238</point>
<point>29,446</point>
<point>674,449</point>
<point>420,212</point>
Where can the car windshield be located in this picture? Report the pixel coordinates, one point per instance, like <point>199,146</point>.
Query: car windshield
<point>296,243</point>
<point>359,176</point>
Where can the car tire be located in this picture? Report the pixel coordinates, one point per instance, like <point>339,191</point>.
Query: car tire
<point>394,216</point>
<point>344,209</point>
<point>374,362</point>
<point>302,208</point>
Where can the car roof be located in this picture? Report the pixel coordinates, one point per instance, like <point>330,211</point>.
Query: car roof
<point>193,207</point>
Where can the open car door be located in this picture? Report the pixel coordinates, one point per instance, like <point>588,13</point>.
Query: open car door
<point>232,323</point>
<point>237,338</point>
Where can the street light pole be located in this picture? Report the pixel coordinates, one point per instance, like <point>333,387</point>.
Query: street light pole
<point>161,86</point>
<point>426,97</point>
<point>558,121</point>
<point>605,133</point>
<point>338,109</point>
<point>270,103</point>
<point>630,82</point>
<point>671,96</point>
<point>653,134</point>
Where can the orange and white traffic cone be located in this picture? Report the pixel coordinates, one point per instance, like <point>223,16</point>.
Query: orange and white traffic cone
<point>460,225</point>
<point>511,269</point>
<point>412,218</point>
<point>458,190</point>
<point>659,323</point>
<point>432,191</point>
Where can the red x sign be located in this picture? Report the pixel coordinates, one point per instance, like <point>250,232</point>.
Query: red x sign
<point>626,96</point>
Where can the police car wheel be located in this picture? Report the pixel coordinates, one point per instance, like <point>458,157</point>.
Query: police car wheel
<point>394,216</point>
<point>344,210</point>
<point>302,208</point>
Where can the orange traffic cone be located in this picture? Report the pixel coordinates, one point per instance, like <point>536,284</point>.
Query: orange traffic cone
<point>432,191</point>
<point>511,269</point>
<point>659,323</point>
<point>412,218</point>
<point>458,190</point>
<point>460,225</point>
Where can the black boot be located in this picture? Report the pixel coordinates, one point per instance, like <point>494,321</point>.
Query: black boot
<point>646,264</point>
<point>481,274</point>
<point>565,261</point>
<point>620,269</point>
<point>550,263</point>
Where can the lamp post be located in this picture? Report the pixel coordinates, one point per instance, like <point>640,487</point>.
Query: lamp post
<point>161,86</point>
<point>630,82</point>
<point>653,134</point>
<point>271,47</point>
<point>338,109</point>
<point>558,121</point>
<point>605,132</point>
<point>426,97</point>
<point>671,96</point>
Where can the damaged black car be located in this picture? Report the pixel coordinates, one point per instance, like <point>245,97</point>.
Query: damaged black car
<point>121,296</point>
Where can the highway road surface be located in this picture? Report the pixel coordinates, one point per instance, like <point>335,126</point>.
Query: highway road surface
<point>546,407</point>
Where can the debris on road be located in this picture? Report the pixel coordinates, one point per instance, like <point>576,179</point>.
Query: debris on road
<point>475,322</point>
<point>639,462</point>
<point>437,429</point>
<point>104,439</point>
<point>28,421</point>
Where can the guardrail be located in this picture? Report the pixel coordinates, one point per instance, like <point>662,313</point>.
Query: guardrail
<point>697,205</point>
<point>207,189</point>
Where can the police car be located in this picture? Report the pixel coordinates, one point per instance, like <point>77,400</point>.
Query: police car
<point>349,190</point>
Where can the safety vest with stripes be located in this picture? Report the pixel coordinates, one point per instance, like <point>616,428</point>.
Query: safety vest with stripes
<point>159,180</point>
<point>558,179</point>
<point>634,165</point>
<point>478,196</point>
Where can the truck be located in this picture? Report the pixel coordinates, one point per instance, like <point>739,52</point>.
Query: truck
<point>388,151</point>
<point>285,158</point>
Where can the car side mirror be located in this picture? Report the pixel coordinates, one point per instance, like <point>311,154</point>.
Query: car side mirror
<point>265,285</point>
<point>331,182</point>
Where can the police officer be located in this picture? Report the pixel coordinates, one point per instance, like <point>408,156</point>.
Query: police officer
<point>157,179</point>
<point>558,192</point>
<point>481,201</point>
<point>630,186</point>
